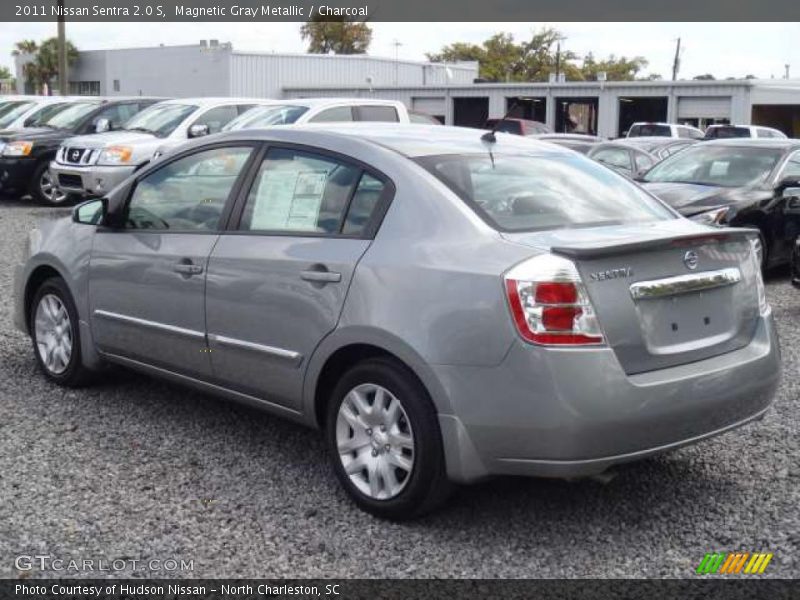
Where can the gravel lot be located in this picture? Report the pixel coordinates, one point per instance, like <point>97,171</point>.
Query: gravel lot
<point>140,469</point>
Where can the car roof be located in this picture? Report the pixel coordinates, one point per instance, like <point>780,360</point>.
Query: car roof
<point>652,141</point>
<point>410,140</point>
<point>315,102</point>
<point>784,143</point>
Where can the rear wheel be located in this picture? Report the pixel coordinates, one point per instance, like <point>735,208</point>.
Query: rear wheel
<point>55,334</point>
<point>44,189</point>
<point>384,439</point>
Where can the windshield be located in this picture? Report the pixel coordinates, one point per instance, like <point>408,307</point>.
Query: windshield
<point>265,116</point>
<point>10,112</point>
<point>529,193</point>
<point>43,113</point>
<point>160,119</point>
<point>70,117</point>
<point>727,166</point>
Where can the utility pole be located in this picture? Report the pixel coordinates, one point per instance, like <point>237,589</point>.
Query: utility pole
<point>786,66</point>
<point>62,51</point>
<point>558,60</point>
<point>676,64</point>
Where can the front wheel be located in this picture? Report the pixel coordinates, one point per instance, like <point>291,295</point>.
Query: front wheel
<point>44,189</point>
<point>384,439</point>
<point>55,334</point>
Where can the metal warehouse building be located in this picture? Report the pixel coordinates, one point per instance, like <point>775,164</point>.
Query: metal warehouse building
<point>214,69</point>
<point>601,108</point>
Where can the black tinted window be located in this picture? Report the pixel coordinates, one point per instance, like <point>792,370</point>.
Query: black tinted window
<point>377,113</point>
<point>650,129</point>
<point>366,200</point>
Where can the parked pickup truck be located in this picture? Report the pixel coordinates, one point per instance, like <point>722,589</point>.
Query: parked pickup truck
<point>92,165</point>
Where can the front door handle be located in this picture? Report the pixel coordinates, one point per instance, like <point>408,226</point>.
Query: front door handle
<point>321,276</point>
<point>187,269</point>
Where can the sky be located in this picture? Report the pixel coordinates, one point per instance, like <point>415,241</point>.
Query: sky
<point>723,49</point>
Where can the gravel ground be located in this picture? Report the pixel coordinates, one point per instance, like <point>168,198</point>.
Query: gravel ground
<point>139,469</point>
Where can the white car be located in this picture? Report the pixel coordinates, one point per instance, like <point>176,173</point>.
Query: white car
<point>92,165</point>
<point>22,111</point>
<point>664,130</point>
<point>718,132</point>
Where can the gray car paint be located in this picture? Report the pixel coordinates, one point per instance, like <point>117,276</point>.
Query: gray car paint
<point>428,289</point>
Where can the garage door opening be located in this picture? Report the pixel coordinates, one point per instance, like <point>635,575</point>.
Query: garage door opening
<point>533,109</point>
<point>470,112</point>
<point>784,117</point>
<point>650,109</point>
<point>577,115</point>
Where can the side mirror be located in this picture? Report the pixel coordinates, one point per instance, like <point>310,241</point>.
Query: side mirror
<point>102,125</point>
<point>90,212</point>
<point>788,183</point>
<point>198,130</point>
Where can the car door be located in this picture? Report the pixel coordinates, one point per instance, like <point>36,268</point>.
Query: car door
<point>277,279</point>
<point>147,280</point>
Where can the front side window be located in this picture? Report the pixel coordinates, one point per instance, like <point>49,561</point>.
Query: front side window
<point>727,166</point>
<point>792,167</point>
<point>216,118</point>
<point>531,193</point>
<point>642,161</point>
<point>118,114</point>
<point>160,119</point>
<point>302,192</point>
<point>188,194</point>
<point>337,114</point>
<point>71,117</point>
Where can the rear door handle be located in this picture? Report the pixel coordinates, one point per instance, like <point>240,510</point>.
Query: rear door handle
<point>187,269</point>
<point>321,276</point>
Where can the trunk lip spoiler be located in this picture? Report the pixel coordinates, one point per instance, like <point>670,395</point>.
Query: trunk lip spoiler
<point>612,248</point>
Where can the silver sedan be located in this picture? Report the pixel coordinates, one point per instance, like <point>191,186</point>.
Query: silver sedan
<point>444,305</point>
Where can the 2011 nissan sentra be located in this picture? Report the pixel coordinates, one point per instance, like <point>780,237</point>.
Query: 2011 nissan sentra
<point>445,305</point>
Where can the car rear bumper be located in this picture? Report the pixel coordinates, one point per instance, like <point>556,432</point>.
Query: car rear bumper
<point>93,180</point>
<point>16,174</point>
<point>574,412</point>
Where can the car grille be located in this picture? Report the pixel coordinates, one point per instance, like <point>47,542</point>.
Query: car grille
<point>76,156</point>
<point>70,181</point>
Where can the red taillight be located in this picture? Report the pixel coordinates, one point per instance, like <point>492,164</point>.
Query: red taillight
<point>549,303</point>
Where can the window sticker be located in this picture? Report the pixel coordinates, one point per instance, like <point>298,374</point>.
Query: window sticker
<point>289,200</point>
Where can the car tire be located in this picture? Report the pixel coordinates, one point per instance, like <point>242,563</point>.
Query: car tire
<point>389,458</point>
<point>54,331</point>
<point>43,188</point>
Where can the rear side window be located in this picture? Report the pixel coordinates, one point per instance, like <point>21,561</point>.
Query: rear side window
<point>616,157</point>
<point>118,115</point>
<point>334,115</point>
<point>387,114</point>
<point>529,193</point>
<point>642,162</point>
<point>302,192</point>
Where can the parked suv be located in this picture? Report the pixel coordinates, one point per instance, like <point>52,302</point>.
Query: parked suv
<point>92,165</point>
<point>664,130</point>
<point>718,132</point>
<point>26,154</point>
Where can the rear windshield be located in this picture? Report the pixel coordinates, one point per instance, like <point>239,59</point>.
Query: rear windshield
<point>504,126</point>
<point>71,117</point>
<point>727,132</point>
<point>530,193</point>
<point>717,165</point>
<point>160,119</point>
<point>650,129</point>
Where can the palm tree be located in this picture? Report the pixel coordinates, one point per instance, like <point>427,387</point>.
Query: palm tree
<point>25,47</point>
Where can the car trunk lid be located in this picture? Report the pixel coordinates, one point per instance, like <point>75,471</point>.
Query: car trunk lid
<point>665,294</point>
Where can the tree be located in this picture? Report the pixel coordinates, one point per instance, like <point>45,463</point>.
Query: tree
<point>705,77</point>
<point>338,35</point>
<point>5,73</point>
<point>616,69</point>
<point>43,67</point>
<point>502,59</point>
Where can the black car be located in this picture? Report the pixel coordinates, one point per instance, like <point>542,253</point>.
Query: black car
<point>26,153</point>
<point>623,156</point>
<point>738,183</point>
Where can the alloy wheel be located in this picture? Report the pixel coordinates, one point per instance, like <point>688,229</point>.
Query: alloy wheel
<point>49,190</point>
<point>375,441</point>
<point>53,334</point>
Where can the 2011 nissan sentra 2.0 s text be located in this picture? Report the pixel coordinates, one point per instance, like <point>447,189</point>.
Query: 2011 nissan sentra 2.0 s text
<point>443,306</point>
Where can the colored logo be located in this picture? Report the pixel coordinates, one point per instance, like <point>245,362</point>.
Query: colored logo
<point>734,563</point>
<point>690,259</point>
